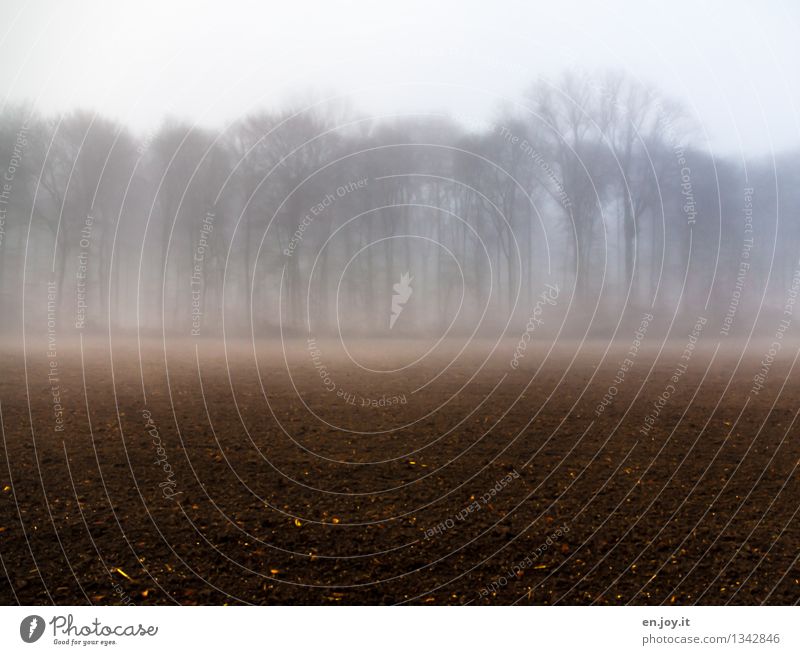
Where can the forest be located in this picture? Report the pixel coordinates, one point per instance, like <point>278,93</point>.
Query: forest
<point>301,220</point>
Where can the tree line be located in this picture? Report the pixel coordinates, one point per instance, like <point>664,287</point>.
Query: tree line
<point>302,220</point>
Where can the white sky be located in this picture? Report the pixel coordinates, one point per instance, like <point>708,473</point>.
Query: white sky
<point>735,64</point>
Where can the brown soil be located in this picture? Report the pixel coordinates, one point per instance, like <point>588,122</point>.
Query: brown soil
<point>295,493</point>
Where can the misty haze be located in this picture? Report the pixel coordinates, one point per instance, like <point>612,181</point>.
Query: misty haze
<point>413,330</point>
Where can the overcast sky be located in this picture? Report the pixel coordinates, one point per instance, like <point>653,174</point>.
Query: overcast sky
<point>735,64</point>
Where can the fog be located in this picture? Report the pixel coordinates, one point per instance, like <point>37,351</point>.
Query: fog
<point>372,303</point>
<point>569,186</point>
<point>730,62</point>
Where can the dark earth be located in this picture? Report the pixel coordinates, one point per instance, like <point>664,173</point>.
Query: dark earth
<point>272,488</point>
